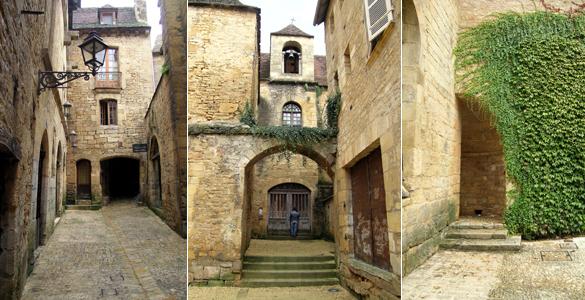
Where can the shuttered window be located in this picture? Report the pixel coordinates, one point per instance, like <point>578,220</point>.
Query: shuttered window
<point>370,221</point>
<point>292,115</point>
<point>108,112</point>
<point>378,16</point>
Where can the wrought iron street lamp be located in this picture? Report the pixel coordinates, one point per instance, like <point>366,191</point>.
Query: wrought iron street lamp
<point>93,50</point>
<point>67,109</point>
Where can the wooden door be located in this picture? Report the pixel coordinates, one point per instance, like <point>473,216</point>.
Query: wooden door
<point>369,211</point>
<point>282,199</point>
<point>84,179</point>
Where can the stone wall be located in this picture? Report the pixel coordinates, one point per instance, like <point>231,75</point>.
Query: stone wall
<point>273,97</point>
<point>436,172</point>
<point>431,131</point>
<point>166,123</point>
<point>369,80</point>
<point>483,174</point>
<point>29,122</point>
<point>223,61</point>
<point>97,142</point>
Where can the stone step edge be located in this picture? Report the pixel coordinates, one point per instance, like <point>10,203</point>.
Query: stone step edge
<point>290,258</point>
<point>457,225</point>
<point>280,263</point>
<point>477,234</point>
<point>512,243</point>
<point>304,271</point>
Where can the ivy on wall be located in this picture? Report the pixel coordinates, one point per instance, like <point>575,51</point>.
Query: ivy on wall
<point>528,71</point>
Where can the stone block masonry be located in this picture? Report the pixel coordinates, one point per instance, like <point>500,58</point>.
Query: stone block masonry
<point>33,143</point>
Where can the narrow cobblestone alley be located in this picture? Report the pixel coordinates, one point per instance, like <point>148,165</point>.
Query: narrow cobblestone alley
<point>123,251</point>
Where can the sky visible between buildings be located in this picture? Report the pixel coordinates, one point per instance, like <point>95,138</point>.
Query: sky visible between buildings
<point>152,10</point>
<point>277,14</point>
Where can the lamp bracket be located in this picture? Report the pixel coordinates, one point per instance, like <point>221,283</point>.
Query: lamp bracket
<point>50,80</point>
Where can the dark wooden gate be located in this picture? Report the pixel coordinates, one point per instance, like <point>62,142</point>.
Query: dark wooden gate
<point>369,211</point>
<point>282,199</point>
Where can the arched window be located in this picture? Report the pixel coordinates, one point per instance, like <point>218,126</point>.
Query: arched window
<point>108,112</point>
<point>292,58</point>
<point>292,115</point>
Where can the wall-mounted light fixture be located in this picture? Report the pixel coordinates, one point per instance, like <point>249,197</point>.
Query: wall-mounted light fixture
<point>67,109</point>
<point>73,137</point>
<point>93,50</point>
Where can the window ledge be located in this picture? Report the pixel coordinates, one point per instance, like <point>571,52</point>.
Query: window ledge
<point>372,270</point>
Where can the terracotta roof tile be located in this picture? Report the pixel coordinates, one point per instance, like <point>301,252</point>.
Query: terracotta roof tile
<point>89,18</point>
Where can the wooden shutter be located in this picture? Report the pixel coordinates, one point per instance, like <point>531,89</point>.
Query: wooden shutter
<point>378,16</point>
<point>371,243</point>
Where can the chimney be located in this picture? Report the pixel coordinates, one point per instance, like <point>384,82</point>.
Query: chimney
<point>140,11</point>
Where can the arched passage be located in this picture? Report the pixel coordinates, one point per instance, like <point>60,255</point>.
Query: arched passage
<point>483,175</point>
<point>58,179</point>
<point>8,172</point>
<point>83,169</point>
<point>120,177</point>
<point>280,225</point>
<point>156,188</point>
<point>42,184</point>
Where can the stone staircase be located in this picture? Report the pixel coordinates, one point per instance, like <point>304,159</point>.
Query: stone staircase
<point>479,235</point>
<point>285,235</point>
<point>289,271</point>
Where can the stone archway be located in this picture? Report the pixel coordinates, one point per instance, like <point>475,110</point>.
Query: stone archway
<point>483,175</point>
<point>42,180</point>
<point>9,160</point>
<point>120,178</point>
<point>219,205</point>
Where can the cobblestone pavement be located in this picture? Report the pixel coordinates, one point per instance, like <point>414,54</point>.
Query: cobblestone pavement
<point>553,269</point>
<point>120,252</point>
<point>293,293</point>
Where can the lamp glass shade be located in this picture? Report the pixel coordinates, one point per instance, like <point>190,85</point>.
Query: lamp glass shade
<point>67,108</point>
<point>93,50</point>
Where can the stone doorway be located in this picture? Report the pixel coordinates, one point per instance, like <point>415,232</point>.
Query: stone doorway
<point>483,175</point>
<point>41,203</point>
<point>120,178</point>
<point>83,179</point>
<point>282,199</point>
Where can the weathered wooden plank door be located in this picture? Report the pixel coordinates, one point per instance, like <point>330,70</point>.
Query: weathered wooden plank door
<point>282,199</point>
<point>369,211</point>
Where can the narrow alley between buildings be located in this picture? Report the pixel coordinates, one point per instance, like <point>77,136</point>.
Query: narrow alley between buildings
<point>122,251</point>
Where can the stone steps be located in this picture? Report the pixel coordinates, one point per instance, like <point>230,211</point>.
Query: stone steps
<point>288,282</point>
<point>289,271</point>
<point>509,244</point>
<point>476,235</point>
<point>83,207</point>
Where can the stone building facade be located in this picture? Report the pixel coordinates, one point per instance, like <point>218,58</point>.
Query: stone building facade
<point>281,89</point>
<point>33,140</point>
<point>363,63</point>
<point>452,157</point>
<point>108,113</point>
<point>166,122</point>
<point>231,174</point>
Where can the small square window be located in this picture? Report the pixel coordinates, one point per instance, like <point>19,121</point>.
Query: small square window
<point>107,18</point>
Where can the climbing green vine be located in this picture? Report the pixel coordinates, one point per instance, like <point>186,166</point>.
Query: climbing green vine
<point>528,71</point>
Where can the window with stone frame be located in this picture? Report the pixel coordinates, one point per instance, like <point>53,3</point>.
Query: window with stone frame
<point>109,71</point>
<point>108,112</point>
<point>292,115</point>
